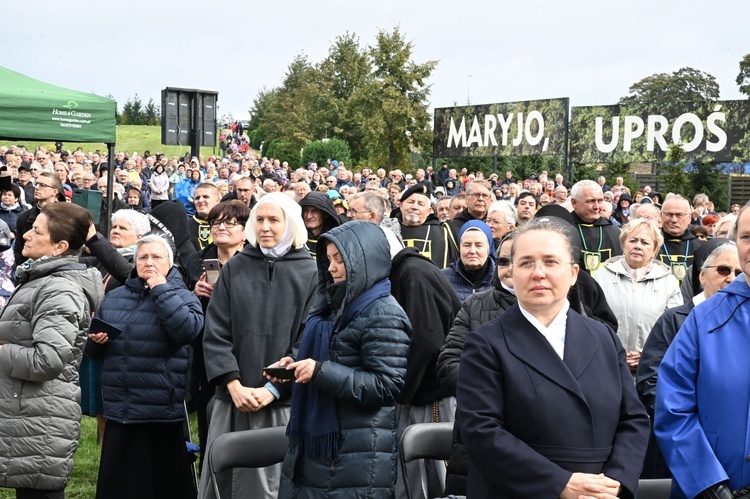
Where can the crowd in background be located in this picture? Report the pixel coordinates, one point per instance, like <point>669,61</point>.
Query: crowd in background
<point>642,260</point>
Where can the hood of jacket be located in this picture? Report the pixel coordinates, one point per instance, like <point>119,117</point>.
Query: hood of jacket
<point>68,267</point>
<point>322,202</point>
<point>738,287</point>
<point>366,255</point>
<point>624,197</point>
<point>406,253</point>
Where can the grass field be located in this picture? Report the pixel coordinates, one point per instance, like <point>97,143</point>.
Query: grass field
<point>131,138</point>
<point>82,484</point>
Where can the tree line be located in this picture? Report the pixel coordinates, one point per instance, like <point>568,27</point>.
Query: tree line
<point>372,97</point>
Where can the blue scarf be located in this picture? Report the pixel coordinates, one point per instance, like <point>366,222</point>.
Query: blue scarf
<point>314,421</point>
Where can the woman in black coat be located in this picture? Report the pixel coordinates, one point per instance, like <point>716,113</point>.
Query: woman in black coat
<point>563,435</point>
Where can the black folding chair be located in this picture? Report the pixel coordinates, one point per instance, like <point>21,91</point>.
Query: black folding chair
<point>654,489</point>
<point>246,449</point>
<point>424,441</point>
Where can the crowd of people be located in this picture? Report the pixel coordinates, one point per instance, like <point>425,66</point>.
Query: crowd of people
<point>540,316</point>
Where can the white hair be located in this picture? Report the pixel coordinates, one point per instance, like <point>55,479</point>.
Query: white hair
<point>138,221</point>
<point>156,238</point>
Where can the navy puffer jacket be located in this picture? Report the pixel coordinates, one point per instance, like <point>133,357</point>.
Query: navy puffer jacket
<point>365,373</point>
<point>461,282</point>
<point>145,367</point>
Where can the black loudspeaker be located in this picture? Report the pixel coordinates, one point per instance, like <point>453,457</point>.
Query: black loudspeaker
<point>183,110</point>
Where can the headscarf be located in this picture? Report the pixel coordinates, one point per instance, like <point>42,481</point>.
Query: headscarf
<point>295,234</point>
<point>482,227</point>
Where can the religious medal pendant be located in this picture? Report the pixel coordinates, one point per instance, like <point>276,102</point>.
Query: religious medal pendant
<point>679,270</point>
<point>591,260</point>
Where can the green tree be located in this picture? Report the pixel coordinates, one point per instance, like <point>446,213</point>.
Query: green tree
<point>706,177</point>
<point>346,69</point>
<point>675,178</point>
<point>668,94</point>
<point>743,78</point>
<point>620,169</point>
<point>151,113</point>
<point>395,102</point>
<point>319,151</point>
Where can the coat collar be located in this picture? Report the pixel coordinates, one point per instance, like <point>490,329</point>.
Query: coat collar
<point>530,347</point>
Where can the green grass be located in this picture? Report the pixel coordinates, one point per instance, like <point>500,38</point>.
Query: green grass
<point>131,138</point>
<point>82,484</point>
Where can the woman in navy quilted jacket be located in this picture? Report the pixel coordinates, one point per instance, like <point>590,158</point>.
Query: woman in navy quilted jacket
<point>351,369</point>
<point>144,378</point>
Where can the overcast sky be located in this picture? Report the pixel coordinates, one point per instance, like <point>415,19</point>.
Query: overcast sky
<point>489,51</point>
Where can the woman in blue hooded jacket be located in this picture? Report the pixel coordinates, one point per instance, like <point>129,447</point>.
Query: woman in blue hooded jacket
<point>342,429</point>
<point>703,390</point>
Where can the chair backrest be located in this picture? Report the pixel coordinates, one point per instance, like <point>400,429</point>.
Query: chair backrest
<point>654,489</point>
<point>424,441</point>
<point>246,449</point>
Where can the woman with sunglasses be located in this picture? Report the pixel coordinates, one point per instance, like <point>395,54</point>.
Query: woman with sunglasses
<point>719,265</point>
<point>703,392</point>
<point>475,311</point>
<point>638,288</point>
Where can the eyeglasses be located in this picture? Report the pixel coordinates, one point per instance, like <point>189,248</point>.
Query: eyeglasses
<point>351,212</point>
<point>674,215</point>
<point>481,195</point>
<point>39,184</point>
<point>724,270</point>
<point>71,162</point>
<point>547,266</point>
<point>216,223</point>
<point>494,221</point>
<point>503,261</point>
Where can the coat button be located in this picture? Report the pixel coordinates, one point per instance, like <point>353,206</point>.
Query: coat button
<point>748,458</point>
<point>15,395</point>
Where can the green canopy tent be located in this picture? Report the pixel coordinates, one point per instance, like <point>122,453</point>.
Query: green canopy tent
<point>34,110</point>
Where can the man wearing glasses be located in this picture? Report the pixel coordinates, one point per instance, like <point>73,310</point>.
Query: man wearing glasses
<point>47,189</point>
<point>479,197</point>
<point>679,243</point>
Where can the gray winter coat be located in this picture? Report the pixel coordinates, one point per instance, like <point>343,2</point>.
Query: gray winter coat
<point>43,328</point>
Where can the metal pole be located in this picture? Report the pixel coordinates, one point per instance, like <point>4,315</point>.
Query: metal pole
<point>105,224</point>
<point>196,131</point>
<point>566,167</point>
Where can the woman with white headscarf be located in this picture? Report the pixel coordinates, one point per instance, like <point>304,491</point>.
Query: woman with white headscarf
<point>257,311</point>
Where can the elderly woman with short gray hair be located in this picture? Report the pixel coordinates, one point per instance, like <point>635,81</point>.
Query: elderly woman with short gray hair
<point>638,288</point>
<point>150,321</point>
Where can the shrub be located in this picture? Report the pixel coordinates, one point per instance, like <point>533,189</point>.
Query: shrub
<point>319,151</point>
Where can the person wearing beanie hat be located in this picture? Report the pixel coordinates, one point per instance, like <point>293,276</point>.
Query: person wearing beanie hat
<point>473,271</point>
<point>421,229</point>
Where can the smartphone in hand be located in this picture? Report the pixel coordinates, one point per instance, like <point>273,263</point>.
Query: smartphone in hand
<point>212,267</point>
